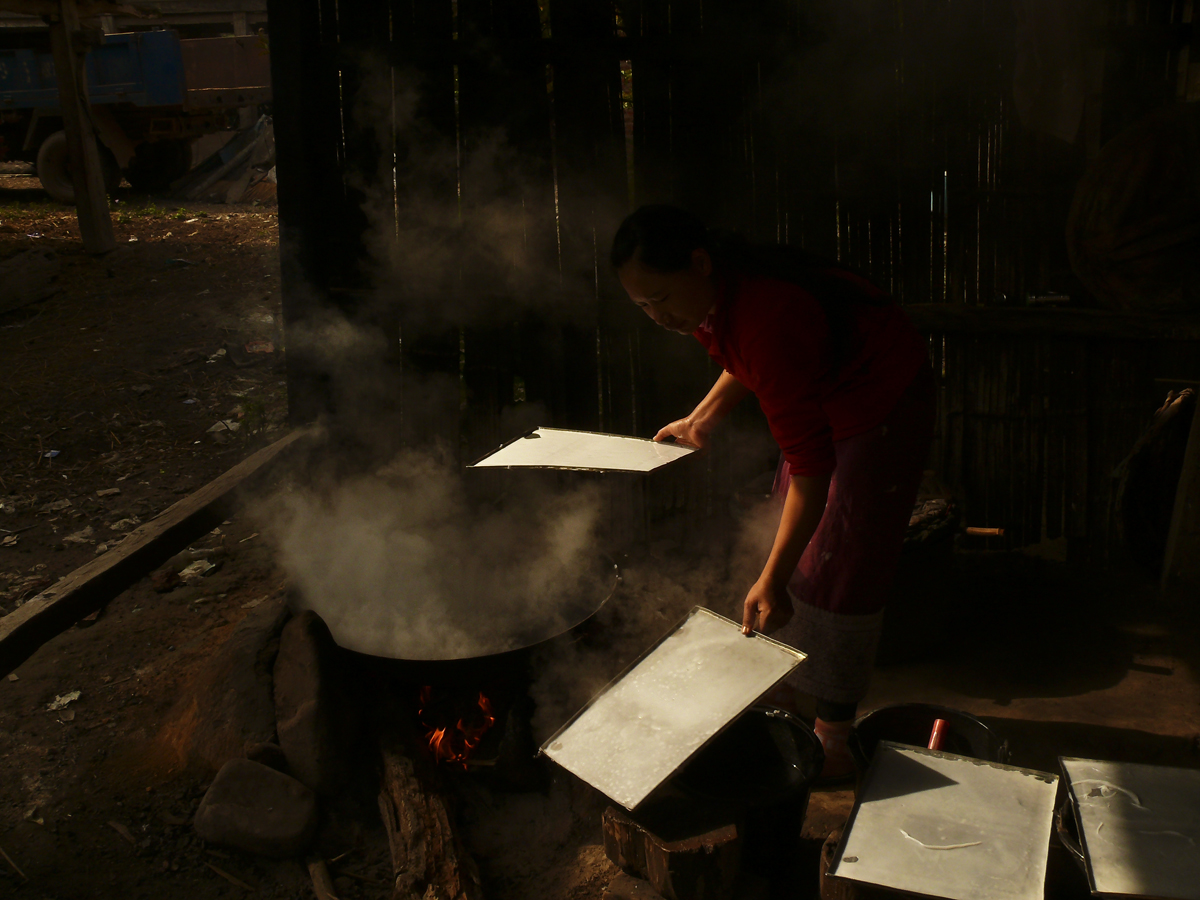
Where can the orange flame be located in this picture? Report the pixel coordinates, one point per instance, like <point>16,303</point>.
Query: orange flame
<point>454,744</point>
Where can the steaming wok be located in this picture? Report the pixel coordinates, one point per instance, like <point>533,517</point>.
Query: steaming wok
<point>596,587</point>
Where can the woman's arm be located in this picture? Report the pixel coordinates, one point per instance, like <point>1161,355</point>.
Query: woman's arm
<point>727,393</point>
<point>768,605</point>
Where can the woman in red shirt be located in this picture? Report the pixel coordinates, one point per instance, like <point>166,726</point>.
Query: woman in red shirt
<point>844,381</point>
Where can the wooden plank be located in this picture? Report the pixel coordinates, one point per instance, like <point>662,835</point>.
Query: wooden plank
<point>590,180</point>
<point>506,215</point>
<point>961,319</point>
<point>1121,396</point>
<point>179,7</point>
<point>166,12</point>
<point>1181,562</point>
<point>91,199</point>
<point>94,584</point>
<point>1075,440</point>
<point>366,121</point>
<point>86,9</point>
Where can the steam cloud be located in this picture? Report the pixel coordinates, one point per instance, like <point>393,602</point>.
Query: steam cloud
<point>399,564</point>
<point>461,228</point>
<point>657,591</point>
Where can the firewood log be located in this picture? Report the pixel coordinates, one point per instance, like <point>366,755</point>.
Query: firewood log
<point>428,858</point>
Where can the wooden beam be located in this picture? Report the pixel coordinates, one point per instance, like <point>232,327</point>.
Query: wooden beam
<point>224,7</point>
<point>86,9</point>
<point>1181,560</point>
<point>956,318</point>
<point>91,198</point>
<point>94,584</point>
<point>305,153</point>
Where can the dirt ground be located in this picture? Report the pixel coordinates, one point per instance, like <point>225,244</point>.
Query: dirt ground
<point>107,394</point>
<point>108,390</point>
<point>112,383</point>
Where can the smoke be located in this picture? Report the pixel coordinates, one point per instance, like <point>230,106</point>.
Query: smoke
<point>402,561</point>
<point>658,589</point>
<point>399,562</point>
<point>462,224</point>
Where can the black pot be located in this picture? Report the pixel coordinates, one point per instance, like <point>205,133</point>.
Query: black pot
<point>508,665</point>
<point>911,723</point>
<point>759,771</point>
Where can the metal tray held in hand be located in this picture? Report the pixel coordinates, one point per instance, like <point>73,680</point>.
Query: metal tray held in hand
<point>653,717</point>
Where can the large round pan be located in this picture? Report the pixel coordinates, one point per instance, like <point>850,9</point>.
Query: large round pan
<point>579,611</point>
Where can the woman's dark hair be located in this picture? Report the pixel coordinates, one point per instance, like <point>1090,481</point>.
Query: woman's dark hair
<point>663,237</point>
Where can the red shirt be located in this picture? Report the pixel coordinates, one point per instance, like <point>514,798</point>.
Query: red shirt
<point>772,336</point>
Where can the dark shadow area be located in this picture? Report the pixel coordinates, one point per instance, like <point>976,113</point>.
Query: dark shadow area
<point>1013,626</point>
<point>901,776</point>
<point>1038,745</point>
<point>912,723</point>
<point>23,195</point>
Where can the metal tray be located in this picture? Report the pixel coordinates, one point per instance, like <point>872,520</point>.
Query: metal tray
<point>942,825</point>
<point>1139,827</point>
<point>668,704</point>
<point>582,451</point>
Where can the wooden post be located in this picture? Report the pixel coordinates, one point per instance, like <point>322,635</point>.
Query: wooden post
<point>91,199</point>
<point>1181,561</point>
<point>247,116</point>
<point>306,106</point>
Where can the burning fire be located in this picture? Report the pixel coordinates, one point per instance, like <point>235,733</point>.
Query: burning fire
<point>454,743</point>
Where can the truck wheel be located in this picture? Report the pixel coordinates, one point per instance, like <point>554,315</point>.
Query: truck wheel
<point>54,168</point>
<point>154,166</point>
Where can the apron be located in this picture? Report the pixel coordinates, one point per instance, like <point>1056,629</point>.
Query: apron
<point>843,580</point>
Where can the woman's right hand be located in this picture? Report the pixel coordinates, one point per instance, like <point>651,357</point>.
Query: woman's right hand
<point>685,431</point>
<point>695,429</point>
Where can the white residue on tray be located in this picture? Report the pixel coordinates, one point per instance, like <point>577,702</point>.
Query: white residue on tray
<point>1105,790</point>
<point>941,846</point>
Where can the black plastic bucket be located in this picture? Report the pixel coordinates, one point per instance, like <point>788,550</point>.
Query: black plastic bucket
<point>760,771</point>
<point>911,723</point>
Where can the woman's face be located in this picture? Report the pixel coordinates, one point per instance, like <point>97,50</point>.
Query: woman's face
<point>678,301</point>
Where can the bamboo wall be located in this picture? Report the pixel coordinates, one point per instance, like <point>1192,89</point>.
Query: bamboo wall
<point>879,132</point>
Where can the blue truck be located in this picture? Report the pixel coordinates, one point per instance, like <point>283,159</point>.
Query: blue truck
<point>152,93</point>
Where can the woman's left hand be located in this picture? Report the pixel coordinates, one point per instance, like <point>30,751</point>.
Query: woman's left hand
<point>768,607</point>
